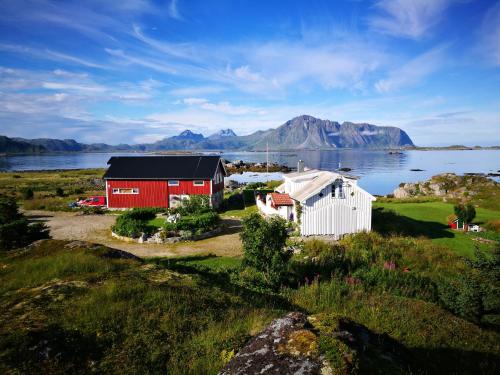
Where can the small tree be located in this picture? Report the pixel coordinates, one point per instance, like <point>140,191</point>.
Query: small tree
<point>15,229</point>
<point>470,213</point>
<point>263,246</point>
<point>465,213</point>
<point>28,193</point>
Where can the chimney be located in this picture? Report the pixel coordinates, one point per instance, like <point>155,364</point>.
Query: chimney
<point>300,166</point>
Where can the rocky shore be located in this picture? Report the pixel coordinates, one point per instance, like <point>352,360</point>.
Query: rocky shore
<point>446,185</point>
<point>240,166</point>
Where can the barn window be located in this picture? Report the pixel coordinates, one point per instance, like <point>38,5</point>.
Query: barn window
<point>338,189</point>
<point>126,191</point>
<point>198,183</point>
<point>173,183</point>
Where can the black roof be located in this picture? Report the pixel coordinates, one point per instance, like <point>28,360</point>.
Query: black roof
<point>181,167</point>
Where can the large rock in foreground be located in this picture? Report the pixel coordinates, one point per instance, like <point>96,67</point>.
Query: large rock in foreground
<point>286,346</point>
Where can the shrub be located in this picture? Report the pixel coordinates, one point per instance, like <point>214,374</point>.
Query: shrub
<point>27,193</point>
<point>196,204</point>
<point>195,223</point>
<point>233,202</point>
<point>129,227</point>
<point>141,214</point>
<point>263,246</point>
<point>466,213</point>
<point>60,192</point>
<point>15,229</point>
<point>493,225</point>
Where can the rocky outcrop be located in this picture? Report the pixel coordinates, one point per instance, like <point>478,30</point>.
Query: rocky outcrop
<point>286,346</point>
<point>446,185</point>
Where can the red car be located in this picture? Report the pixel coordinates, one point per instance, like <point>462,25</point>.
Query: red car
<point>95,201</point>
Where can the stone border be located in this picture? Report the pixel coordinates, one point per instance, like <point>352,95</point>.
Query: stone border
<point>156,239</point>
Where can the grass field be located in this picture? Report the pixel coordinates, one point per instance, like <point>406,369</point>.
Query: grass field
<point>428,219</point>
<point>74,183</point>
<point>84,309</point>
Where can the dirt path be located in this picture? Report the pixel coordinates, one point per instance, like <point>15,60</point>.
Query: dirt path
<point>97,229</point>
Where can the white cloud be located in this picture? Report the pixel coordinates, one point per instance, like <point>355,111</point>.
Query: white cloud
<point>46,54</point>
<point>222,107</point>
<point>489,42</point>
<point>414,71</point>
<point>408,18</point>
<point>173,10</point>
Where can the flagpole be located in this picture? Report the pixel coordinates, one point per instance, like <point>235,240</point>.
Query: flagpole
<point>267,161</point>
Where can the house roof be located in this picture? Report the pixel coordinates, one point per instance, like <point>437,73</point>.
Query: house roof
<point>313,187</point>
<point>281,199</point>
<point>182,167</point>
<point>318,182</point>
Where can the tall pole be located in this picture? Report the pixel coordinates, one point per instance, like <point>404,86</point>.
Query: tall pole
<point>267,161</point>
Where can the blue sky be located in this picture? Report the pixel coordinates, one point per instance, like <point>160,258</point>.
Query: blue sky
<point>138,70</point>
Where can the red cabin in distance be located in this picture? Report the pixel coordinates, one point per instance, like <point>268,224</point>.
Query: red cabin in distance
<point>163,181</point>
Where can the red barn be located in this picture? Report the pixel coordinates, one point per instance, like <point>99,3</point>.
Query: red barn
<point>163,181</point>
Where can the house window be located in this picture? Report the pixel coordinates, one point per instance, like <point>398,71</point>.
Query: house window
<point>338,189</point>
<point>173,183</point>
<point>198,183</point>
<point>126,191</point>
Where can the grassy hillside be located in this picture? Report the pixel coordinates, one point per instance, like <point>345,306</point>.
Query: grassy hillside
<point>74,183</point>
<point>428,219</point>
<point>70,307</point>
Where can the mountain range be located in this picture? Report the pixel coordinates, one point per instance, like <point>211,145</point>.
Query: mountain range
<point>302,132</point>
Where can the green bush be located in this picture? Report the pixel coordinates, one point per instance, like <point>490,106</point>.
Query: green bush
<point>135,222</point>
<point>197,224</point>
<point>15,229</point>
<point>27,193</point>
<point>196,204</point>
<point>129,227</point>
<point>233,202</point>
<point>263,247</point>
<point>60,192</point>
<point>141,214</point>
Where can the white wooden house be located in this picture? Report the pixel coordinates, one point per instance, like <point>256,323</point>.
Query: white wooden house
<point>324,203</point>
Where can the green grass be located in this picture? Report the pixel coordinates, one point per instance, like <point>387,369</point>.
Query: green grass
<point>157,222</point>
<point>122,316</point>
<point>250,209</point>
<point>74,183</point>
<point>428,219</point>
<point>98,313</point>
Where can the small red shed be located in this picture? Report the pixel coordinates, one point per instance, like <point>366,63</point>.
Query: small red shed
<point>163,181</point>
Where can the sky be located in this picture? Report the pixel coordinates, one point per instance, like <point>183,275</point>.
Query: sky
<point>135,71</point>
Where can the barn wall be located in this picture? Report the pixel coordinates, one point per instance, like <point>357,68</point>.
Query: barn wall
<point>151,194</point>
<point>186,187</point>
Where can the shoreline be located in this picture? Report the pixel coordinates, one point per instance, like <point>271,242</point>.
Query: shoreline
<point>222,152</point>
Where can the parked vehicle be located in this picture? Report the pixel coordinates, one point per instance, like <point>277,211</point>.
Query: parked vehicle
<point>94,201</point>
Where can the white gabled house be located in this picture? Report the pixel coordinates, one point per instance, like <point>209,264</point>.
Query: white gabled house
<point>321,202</point>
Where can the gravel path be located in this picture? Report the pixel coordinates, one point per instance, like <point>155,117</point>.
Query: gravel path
<point>97,229</point>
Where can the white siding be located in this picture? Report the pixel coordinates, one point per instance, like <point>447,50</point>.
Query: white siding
<point>326,215</point>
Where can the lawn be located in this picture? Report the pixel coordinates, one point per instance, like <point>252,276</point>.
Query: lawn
<point>240,213</point>
<point>85,309</point>
<point>429,219</point>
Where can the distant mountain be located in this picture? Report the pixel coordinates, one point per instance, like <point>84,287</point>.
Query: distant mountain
<point>302,132</point>
<point>307,132</point>
<point>12,146</point>
<point>55,145</point>
<point>224,133</point>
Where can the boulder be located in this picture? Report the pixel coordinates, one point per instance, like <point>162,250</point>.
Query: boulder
<point>286,346</point>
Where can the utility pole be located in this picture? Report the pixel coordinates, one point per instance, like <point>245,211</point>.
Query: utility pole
<point>267,161</point>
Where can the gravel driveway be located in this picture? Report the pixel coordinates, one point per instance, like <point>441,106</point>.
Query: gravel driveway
<point>97,229</point>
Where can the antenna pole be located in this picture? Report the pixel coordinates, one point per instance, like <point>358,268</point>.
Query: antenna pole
<point>267,161</point>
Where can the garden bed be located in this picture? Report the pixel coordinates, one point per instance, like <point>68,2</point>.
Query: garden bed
<point>158,238</point>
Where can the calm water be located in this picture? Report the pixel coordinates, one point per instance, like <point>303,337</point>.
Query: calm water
<point>379,171</point>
